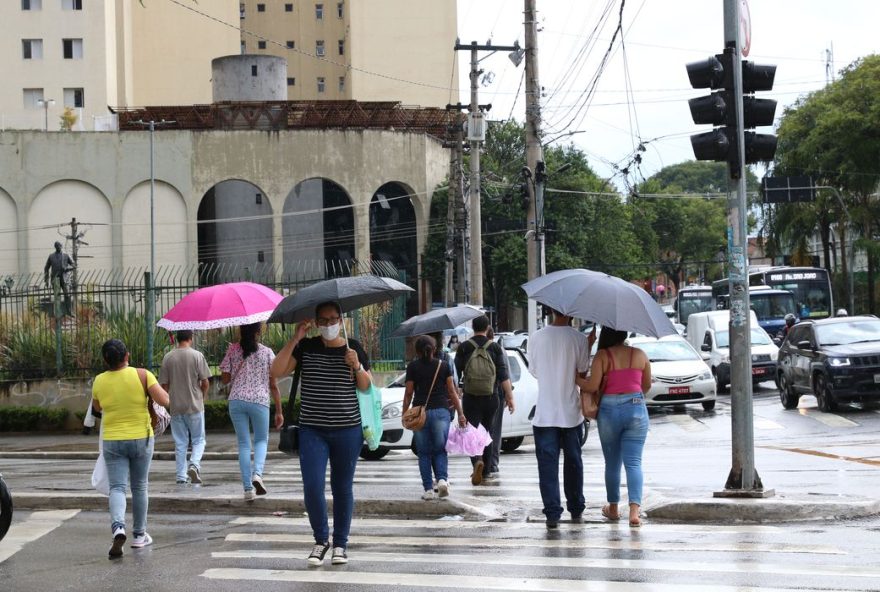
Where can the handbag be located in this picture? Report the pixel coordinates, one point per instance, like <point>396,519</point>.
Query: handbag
<point>160,419</point>
<point>415,417</point>
<point>288,443</point>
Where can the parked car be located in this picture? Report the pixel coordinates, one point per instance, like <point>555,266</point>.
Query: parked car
<point>708,332</point>
<point>836,359</point>
<point>519,339</point>
<point>514,428</point>
<point>678,373</point>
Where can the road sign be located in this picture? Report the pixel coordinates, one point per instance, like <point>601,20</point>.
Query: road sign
<point>787,189</point>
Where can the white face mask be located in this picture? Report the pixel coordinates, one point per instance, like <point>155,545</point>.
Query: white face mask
<point>330,332</point>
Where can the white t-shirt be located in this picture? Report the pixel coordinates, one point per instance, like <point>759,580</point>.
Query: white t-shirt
<point>554,355</point>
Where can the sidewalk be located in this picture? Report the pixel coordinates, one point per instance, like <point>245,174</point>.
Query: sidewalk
<point>807,490</point>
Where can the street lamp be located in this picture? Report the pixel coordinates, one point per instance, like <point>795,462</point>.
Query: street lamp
<point>44,103</point>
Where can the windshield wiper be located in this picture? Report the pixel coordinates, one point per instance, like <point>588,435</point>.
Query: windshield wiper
<point>864,341</point>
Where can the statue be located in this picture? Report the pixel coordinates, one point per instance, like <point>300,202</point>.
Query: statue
<point>59,264</point>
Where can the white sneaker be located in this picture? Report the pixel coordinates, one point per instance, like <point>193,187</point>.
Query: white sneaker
<point>249,495</point>
<point>443,488</point>
<point>142,541</point>
<point>428,495</point>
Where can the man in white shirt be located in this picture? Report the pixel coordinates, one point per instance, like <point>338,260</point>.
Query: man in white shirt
<point>556,353</point>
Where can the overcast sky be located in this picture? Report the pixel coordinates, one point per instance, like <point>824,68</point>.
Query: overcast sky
<point>660,37</point>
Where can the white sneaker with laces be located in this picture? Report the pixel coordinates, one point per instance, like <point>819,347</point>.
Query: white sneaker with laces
<point>443,488</point>
<point>428,495</point>
<point>139,542</point>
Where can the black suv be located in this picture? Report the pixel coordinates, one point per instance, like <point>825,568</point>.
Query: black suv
<point>835,359</point>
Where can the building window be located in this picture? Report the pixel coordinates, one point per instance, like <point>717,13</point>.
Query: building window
<point>288,8</point>
<point>291,45</point>
<point>74,97</point>
<point>32,98</point>
<point>254,70</point>
<point>73,49</point>
<point>259,199</point>
<point>32,49</point>
<point>261,8</point>
<point>319,11</point>
<point>341,47</point>
<point>261,257</point>
<point>291,81</point>
<point>243,48</point>
<point>261,45</point>
<point>241,10</point>
<point>32,4</point>
<point>71,5</point>
<point>342,84</point>
<point>319,48</point>
<point>339,9</point>
<point>320,84</point>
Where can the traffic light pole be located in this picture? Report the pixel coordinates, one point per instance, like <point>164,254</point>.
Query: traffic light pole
<point>743,480</point>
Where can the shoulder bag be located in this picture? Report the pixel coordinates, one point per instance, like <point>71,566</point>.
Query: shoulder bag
<point>159,416</point>
<point>289,440</point>
<point>414,418</point>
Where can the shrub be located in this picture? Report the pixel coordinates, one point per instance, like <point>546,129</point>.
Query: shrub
<point>28,419</point>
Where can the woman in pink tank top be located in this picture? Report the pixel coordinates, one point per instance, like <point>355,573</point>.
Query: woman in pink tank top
<point>621,374</point>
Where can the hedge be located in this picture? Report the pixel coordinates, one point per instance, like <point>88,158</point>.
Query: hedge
<point>29,419</point>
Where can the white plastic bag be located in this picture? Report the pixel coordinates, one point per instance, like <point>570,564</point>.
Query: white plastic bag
<point>100,478</point>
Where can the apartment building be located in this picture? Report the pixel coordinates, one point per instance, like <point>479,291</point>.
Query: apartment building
<point>91,54</point>
<point>366,50</point>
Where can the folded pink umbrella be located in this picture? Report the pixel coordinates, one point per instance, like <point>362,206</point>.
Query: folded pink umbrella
<point>224,305</point>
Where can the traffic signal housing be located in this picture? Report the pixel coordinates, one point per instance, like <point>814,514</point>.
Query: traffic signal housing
<point>719,109</point>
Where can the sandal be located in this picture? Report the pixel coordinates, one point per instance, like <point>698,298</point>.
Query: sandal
<point>606,511</point>
<point>635,523</point>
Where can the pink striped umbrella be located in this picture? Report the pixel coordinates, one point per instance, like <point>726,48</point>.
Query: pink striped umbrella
<point>224,305</point>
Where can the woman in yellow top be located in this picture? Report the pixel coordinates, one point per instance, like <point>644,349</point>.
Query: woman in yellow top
<point>127,441</point>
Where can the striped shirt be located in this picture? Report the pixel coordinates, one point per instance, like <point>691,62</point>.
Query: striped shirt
<point>327,384</point>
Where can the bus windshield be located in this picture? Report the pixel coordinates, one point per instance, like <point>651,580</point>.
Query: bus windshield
<point>689,303</point>
<point>810,285</point>
<point>772,306</point>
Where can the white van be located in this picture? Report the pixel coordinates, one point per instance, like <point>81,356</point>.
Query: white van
<point>709,333</point>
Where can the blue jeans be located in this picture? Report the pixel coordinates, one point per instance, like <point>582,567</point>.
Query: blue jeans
<point>548,442</point>
<point>623,428</point>
<point>431,447</point>
<point>185,428</point>
<point>245,415</point>
<point>341,446</point>
<point>128,460</point>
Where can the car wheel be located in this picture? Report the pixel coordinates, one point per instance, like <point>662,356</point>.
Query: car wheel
<point>787,396</point>
<point>511,444</point>
<point>377,454</point>
<point>823,394</point>
<point>721,388</point>
<point>708,405</point>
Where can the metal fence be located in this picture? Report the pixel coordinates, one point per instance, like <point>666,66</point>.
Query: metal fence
<point>109,304</point>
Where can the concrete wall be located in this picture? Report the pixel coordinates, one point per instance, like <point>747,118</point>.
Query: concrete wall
<point>233,78</point>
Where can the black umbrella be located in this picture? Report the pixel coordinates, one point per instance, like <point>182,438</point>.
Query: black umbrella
<point>438,319</point>
<point>349,292</point>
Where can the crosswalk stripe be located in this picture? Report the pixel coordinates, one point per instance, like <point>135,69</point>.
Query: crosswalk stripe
<point>32,528</point>
<point>493,543</point>
<point>829,419</point>
<point>688,423</point>
<point>762,423</point>
<point>579,562</point>
<point>479,582</point>
<point>364,523</point>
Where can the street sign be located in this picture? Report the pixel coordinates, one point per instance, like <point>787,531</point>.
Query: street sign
<point>787,189</point>
<point>745,28</point>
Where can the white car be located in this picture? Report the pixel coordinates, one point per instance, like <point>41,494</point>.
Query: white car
<point>678,373</point>
<point>514,427</point>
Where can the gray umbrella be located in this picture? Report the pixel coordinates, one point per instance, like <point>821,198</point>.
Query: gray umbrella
<point>601,298</point>
<point>438,319</point>
<point>349,292</point>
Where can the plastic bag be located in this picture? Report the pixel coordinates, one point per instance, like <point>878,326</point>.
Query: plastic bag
<point>469,441</point>
<point>370,404</point>
<point>100,478</point>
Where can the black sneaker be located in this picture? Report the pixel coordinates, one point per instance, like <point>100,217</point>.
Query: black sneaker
<point>577,518</point>
<point>316,557</point>
<point>552,523</point>
<point>118,543</point>
<point>339,556</point>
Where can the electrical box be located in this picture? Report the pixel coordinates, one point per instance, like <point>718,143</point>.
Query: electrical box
<point>476,128</point>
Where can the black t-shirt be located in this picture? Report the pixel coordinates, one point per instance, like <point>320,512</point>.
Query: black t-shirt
<point>421,373</point>
<point>327,385</point>
<point>463,354</point>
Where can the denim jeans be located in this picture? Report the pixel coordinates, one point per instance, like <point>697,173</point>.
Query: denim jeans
<point>245,415</point>
<point>623,428</point>
<point>185,428</point>
<point>341,447</point>
<point>548,442</point>
<point>431,446</point>
<point>128,460</point>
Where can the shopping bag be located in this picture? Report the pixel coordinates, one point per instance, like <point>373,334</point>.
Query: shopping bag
<point>370,403</point>
<point>100,478</point>
<point>469,441</point>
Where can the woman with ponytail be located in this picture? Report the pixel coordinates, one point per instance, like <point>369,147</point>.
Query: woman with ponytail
<point>429,382</point>
<point>246,369</point>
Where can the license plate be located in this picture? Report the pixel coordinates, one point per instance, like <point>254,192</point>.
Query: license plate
<point>679,390</point>
<point>877,378</point>
<point>758,371</point>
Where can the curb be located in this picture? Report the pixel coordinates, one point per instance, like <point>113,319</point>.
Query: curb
<point>761,510</point>
<point>93,455</point>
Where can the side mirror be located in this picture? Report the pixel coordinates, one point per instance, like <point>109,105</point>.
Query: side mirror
<point>706,347</point>
<point>804,345</point>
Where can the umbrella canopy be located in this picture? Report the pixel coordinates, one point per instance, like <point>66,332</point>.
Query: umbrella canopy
<point>601,298</point>
<point>438,319</point>
<point>224,305</point>
<point>349,292</point>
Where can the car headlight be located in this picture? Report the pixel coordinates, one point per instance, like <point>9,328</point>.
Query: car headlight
<point>774,356</point>
<point>837,362</point>
<point>705,376</point>
<point>391,411</point>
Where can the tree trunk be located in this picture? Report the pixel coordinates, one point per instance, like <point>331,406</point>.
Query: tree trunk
<point>844,262</point>
<point>869,251</point>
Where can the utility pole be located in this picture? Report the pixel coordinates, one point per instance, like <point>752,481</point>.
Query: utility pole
<point>476,136</point>
<point>75,237</point>
<point>456,212</point>
<point>534,156</point>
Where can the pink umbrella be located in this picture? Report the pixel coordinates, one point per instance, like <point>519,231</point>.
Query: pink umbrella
<point>224,305</point>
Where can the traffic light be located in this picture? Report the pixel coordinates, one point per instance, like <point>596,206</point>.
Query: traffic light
<point>719,109</point>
